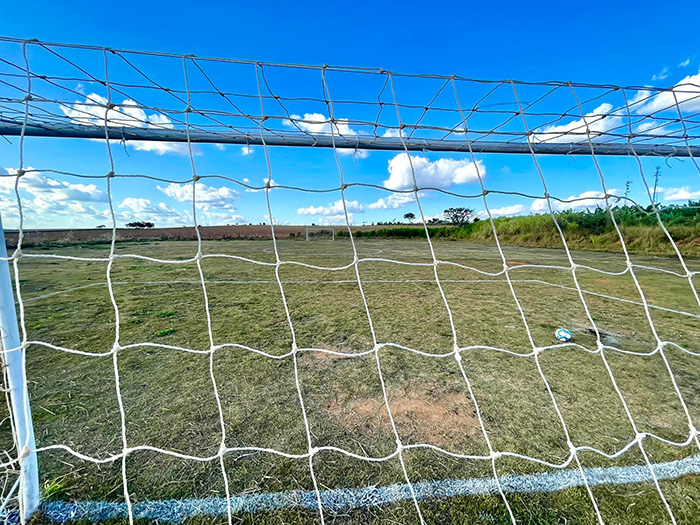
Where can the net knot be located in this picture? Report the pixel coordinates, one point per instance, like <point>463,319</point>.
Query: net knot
<point>116,347</point>
<point>639,436</point>
<point>25,452</point>
<point>495,454</point>
<point>27,98</point>
<point>571,446</point>
<point>313,451</point>
<point>199,255</point>
<point>110,174</point>
<point>188,109</point>
<point>195,178</point>
<point>458,355</point>
<point>693,430</point>
<point>20,172</point>
<point>485,192</point>
<point>344,186</point>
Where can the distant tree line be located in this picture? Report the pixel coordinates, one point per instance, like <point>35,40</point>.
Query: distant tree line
<point>139,225</point>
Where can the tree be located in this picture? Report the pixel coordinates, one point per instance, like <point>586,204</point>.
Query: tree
<point>458,216</point>
<point>140,224</point>
<point>409,216</point>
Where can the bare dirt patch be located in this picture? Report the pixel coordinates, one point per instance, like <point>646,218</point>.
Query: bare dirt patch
<point>424,415</point>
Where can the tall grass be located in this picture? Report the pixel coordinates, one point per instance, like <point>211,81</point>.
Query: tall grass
<point>583,230</point>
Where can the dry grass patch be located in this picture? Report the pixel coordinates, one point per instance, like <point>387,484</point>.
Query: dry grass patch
<point>424,414</point>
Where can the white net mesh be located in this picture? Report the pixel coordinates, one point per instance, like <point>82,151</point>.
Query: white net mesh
<point>42,103</point>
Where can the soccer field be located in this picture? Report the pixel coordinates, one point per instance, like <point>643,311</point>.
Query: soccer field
<point>170,402</point>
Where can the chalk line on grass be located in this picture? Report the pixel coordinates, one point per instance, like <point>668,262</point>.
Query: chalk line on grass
<point>175,511</point>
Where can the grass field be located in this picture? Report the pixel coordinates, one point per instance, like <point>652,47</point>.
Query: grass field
<point>170,403</point>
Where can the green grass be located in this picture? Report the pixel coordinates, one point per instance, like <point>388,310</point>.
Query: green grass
<point>169,399</point>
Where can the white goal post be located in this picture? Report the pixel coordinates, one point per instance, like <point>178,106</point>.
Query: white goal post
<point>316,231</point>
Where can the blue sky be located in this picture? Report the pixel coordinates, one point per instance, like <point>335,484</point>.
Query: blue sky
<point>605,42</point>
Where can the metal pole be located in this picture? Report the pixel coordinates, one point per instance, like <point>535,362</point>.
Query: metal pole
<point>581,147</point>
<point>14,359</point>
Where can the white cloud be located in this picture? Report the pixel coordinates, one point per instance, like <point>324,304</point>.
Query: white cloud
<point>332,210</point>
<point>685,63</point>
<point>599,121</point>
<point>128,114</point>
<point>247,150</point>
<point>142,209</point>
<point>336,219</point>
<point>392,133</point>
<point>587,199</point>
<point>214,205</point>
<point>206,196</point>
<point>246,180</point>
<point>687,92</point>
<point>441,173</point>
<point>392,202</point>
<point>220,147</point>
<point>505,211</point>
<point>319,124</point>
<point>51,188</point>
<point>212,216</point>
<point>48,200</point>
<point>661,74</point>
<point>272,184</point>
<point>653,127</point>
<point>679,194</point>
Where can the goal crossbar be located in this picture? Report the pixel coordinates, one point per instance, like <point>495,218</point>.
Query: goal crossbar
<point>357,142</point>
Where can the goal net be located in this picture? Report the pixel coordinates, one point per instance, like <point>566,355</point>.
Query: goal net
<point>320,233</point>
<point>170,352</point>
